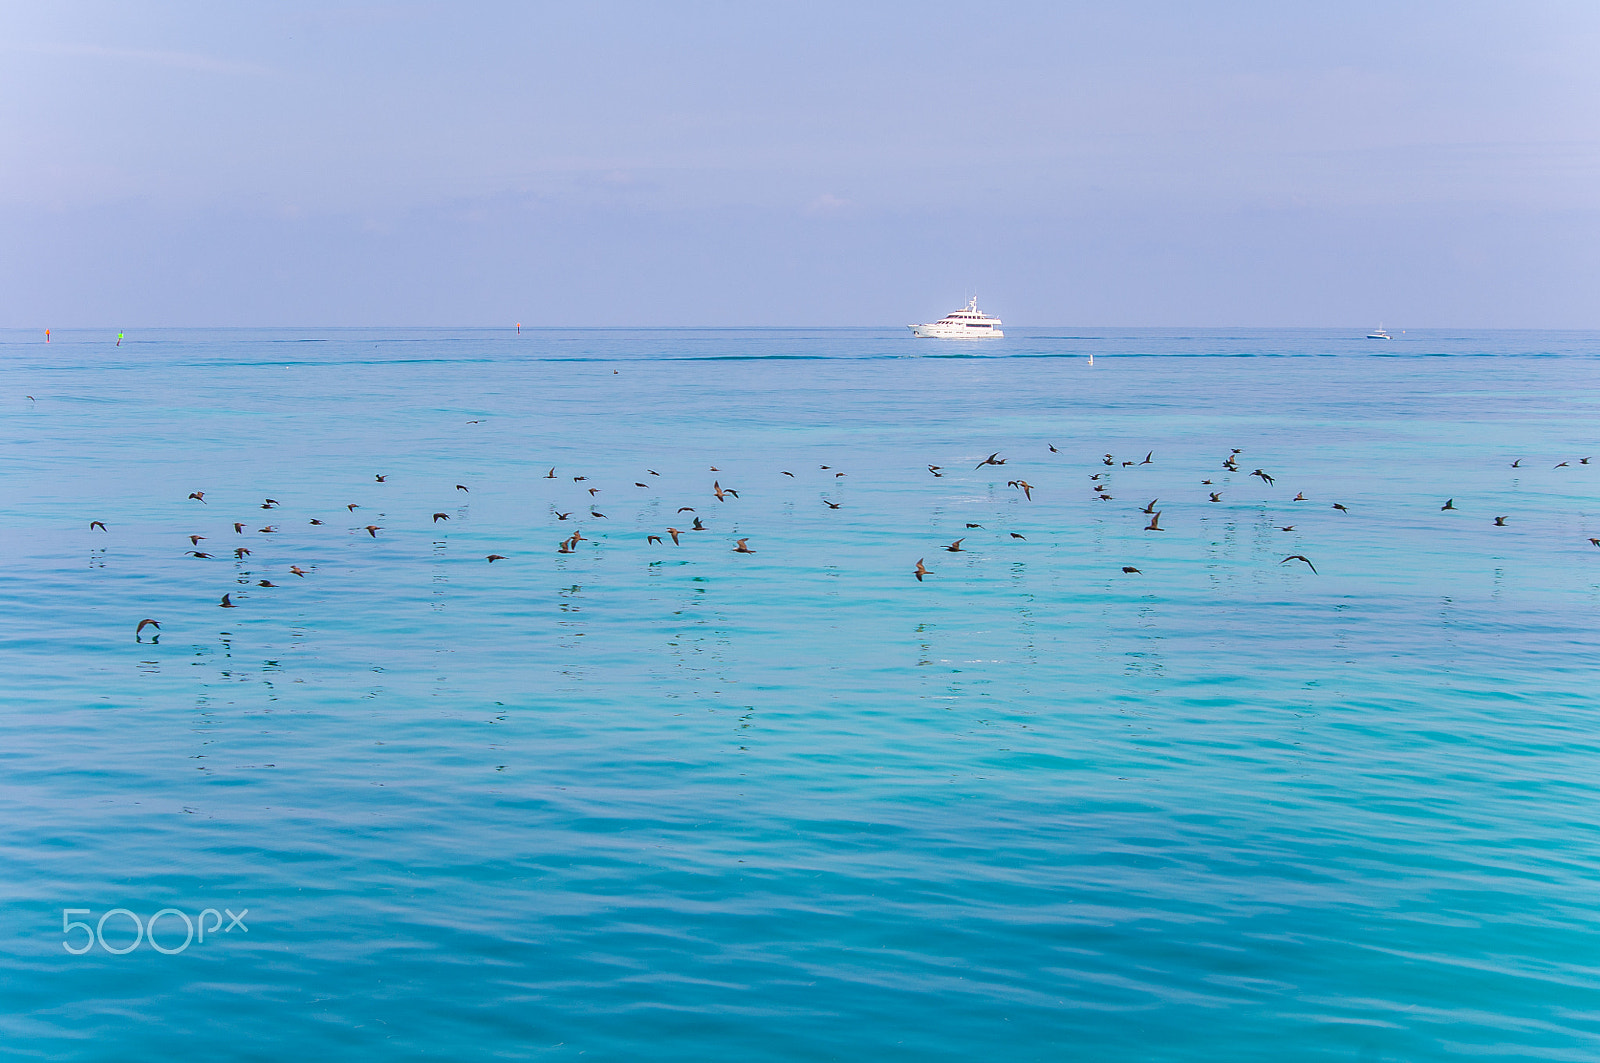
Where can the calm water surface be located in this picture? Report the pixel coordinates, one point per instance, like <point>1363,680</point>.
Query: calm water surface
<point>679,803</point>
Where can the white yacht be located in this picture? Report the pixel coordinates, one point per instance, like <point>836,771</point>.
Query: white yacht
<point>1379,334</point>
<point>969,323</point>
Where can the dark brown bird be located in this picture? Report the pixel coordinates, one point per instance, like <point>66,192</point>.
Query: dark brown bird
<point>1286,527</point>
<point>836,475</point>
<point>265,583</point>
<point>314,520</point>
<point>492,558</point>
<point>697,525</point>
<point>1151,508</point>
<point>1499,522</point>
<point>1027,488</point>
<point>1562,465</point>
<point>652,472</point>
<point>1155,522</point>
<point>743,547</point>
<point>194,540</point>
<point>1340,508</point>
<point>296,569</point>
<point>1131,569</point>
<point>238,528</point>
<point>1017,535</point>
<point>1450,503</point>
<point>269,503</point>
<point>714,468</point>
<point>1107,460</point>
<point>564,547</point>
<point>593,491</point>
<point>955,547</point>
<point>564,516</point>
<point>1300,557</point>
<point>463,487</point>
<point>1147,458</point>
<point>196,553</point>
<point>1103,498</point>
<point>685,509</point>
<point>579,479</point>
<point>1052,447</point>
<point>198,495</point>
<point>716,489</point>
<point>921,570</point>
<point>241,552</point>
<point>1205,483</point>
<point>437,517</point>
<point>1300,496</point>
<point>352,507</point>
<point>381,479</point>
<point>790,475</point>
<point>1264,477</point>
<point>143,623</point>
<point>268,530</point>
<point>596,513</point>
<point>227,603</point>
<point>1216,496</point>
<point>674,532</point>
<point>1517,464</point>
<point>992,459</point>
<point>1595,541</point>
<point>974,525</point>
<point>551,475</point>
<point>830,505</point>
<point>93,524</point>
<point>935,470</point>
<point>652,539</point>
<point>373,530</point>
<point>636,483</point>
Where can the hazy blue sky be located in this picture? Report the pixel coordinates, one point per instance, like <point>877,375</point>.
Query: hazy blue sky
<point>1135,163</point>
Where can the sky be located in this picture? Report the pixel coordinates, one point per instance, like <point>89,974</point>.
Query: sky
<point>1419,164</point>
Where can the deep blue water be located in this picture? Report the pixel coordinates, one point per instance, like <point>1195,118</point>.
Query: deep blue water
<point>647,801</point>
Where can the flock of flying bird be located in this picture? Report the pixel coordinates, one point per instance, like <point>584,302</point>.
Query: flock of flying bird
<point>1099,482</point>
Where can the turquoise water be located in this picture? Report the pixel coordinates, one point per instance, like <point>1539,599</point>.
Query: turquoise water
<point>680,803</point>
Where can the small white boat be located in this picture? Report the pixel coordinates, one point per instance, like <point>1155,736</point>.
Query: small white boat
<point>969,323</point>
<point>1379,334</point>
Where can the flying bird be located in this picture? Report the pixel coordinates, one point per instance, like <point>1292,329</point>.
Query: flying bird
<point>992,459</point>
<point>830,505</point>
<point>1216,496</point>
<point>143,623</point>
<point>595,513</point>
<point>373,530</point>
<point>241,552</point>
<point>269,503</point>
<point>268,530</point>
<point>1499,522</point>
<point>743,547</point>
<point>226,603</point>
<point>551,475</point>
<point>437,517</point>
<point>196,553</point>
<point>265,583</point>
<point>674,533</point>
<point>198,495</point>
<point>685,509</point>
<point>1562,465</point>
<point>1131,569</point>
<point>1017,535</point>
<point>238,528</point>
<point>1450,503</point>
<point>921,570</point>
<point>974,525</point>
<point>1299,496</point>
<point>93,524</point>
<point>352,507</point>
<point>194,540</point>
<point>1340,508</point>
<point>492,558</point>
<point>1517,464</point>
<point>463,487</point>
<point>1151,508</point>
<point>955,547</point>
<point>1286,527</point>
<point>1264,477</point>
<point>636,483</point>
<point>697,525</point>
<point>563,516</point>
<point>1155,522</point>
<point>1300,557</point>
<point>1052,447</point>
<point>787,473</point>
<point>314,520</point>
<point>381,479</point>
<point>298,571</point>
<point>652,539</point>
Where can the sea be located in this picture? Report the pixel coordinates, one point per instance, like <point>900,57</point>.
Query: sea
<point>1306,768</point>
